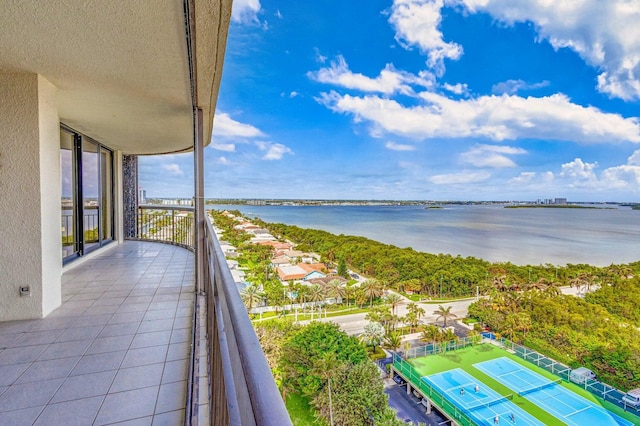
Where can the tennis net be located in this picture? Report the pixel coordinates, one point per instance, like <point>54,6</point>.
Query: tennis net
<point>490,403</point>
<point>539,388</point>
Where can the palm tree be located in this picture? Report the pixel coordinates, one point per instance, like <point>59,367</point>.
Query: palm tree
<point>326,367</point>
<point>373,334</point>
<point>523,323</point>
<point>431,333</point>
<point>412,307</point>
<point>444,313</point>
<point>580,282</point>
<point>393,341</point>
<point>499,283</point>
<point>251,295</point>
<point>394,300</point>
<point>336,289</point>
<point>448,335</point>
<point>316,293</point>
<point>509,326</point>
<point>541,284</point>
<point>348,289</point>
<point>412,320</point>
<point>371,288</point>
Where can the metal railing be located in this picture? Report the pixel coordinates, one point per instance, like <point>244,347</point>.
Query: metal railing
<point>68,228</point>
<point>600,389</point>
<point>437,399</point>
<point>168,224</point>
<point>242,388</point>
<point>442,347</point>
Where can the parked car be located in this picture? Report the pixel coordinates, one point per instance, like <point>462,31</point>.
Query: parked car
<point>399,380</point>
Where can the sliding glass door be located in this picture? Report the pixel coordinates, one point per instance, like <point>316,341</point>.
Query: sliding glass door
<point>68,161</point>
<point>87,194</point>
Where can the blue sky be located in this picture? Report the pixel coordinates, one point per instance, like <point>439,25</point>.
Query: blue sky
<point>423,99</point>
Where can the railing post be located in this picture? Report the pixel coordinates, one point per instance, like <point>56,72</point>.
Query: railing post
<point>198,210</point>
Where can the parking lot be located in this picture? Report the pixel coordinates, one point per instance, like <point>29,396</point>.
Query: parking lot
<point>409,407</point>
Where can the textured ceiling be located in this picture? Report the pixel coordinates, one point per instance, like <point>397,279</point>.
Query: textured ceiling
<point>120,66</point>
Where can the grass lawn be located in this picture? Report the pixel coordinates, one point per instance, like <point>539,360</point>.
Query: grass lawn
<point>465,358</point>
<point>300,412</point>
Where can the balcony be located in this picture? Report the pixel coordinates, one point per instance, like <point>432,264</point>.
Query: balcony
<point>118,349</point>
<point>123,346</point>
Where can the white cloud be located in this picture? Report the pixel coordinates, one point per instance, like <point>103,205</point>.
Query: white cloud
<point>275,151</point>
<point>319,57</point>
<point>173,169</point>
<point>511,87</point>
<point>606,34</point>
<point>626,176</point>
<point>524,178</point>
<point>388,82</point>
<point>224,161</point>
<point>622,177</point>
<point>278,14</point>
<point>226,147</point>
<point>294,94</point>
<point>399,147</point>
<point>634,159</point>
<point>460,178</point>
<point>458,89</point>
<point>494,117</point>
<point>493,156</point>
<point>579,172</point>
<point>416,23</point>
<point>245,11</point>
<point>225,126</point>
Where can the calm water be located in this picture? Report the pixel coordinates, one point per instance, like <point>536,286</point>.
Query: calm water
<point>522,236</point>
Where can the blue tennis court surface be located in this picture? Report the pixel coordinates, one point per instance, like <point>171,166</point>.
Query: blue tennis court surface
<point>482,406</point>
<point>555,399</point>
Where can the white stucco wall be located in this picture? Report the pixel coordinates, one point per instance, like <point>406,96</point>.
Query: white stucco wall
<point>30,253</point>
<point>50,196</point>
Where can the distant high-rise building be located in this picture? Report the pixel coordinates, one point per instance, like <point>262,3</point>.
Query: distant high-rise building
<point>142,196</point>
<point>560,201</point>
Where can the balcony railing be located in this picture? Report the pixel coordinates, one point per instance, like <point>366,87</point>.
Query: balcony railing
<point>241,389</point>
<point>169,224</point>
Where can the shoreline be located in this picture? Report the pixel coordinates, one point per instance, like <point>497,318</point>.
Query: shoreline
<point>475,231</point>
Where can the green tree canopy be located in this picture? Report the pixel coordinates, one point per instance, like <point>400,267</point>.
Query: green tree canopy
<point>301,353</point>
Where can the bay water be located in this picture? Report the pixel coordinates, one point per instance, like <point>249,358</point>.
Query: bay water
<point>557,236</point>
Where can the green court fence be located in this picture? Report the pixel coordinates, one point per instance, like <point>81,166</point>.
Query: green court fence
<point>439,348</point>
<point>427,390</point>
<point>596,387</point>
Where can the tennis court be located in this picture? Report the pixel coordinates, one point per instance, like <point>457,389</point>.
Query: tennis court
<point>482,406</point>
<point>549,395</point>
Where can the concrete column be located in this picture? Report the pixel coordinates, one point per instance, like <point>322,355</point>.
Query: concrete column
<point>130,195</point>
<point>428,406</point>
<point>30,194</point>
<point>408,388</point>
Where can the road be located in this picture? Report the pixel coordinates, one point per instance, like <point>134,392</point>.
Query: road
<point>354,324</point>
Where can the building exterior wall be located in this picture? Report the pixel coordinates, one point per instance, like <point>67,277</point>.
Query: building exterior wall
<point>30,235</point>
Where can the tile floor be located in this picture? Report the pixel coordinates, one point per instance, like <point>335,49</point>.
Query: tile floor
<point>115,352</point>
